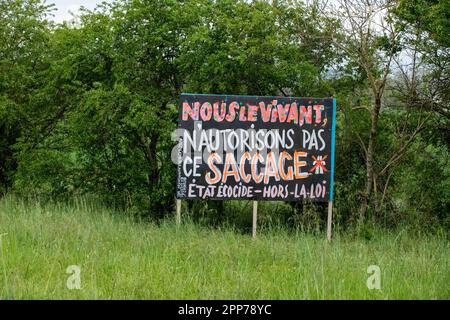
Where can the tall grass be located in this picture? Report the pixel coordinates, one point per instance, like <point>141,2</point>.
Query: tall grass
<point>124,259</point>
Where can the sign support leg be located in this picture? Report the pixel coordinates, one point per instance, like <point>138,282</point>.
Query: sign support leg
<point>330,219</point>
<point>178,218</point>
<point>255,217</point>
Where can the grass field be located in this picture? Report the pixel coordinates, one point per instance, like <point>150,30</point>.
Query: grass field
<point>122,259</point>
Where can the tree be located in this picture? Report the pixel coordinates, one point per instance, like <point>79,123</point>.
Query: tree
<point>371,40</point>
<point>24,35</point>
<point>120,77</point>
<point>426,25</point>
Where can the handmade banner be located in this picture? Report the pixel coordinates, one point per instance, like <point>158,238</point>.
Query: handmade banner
<point>252,147</point>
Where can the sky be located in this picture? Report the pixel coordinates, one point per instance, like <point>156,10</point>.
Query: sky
<point>64,6</point>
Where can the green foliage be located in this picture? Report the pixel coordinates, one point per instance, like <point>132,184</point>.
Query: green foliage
<point>422,197</point>
<point>23,45</point>
<point>431,16</point>
<point>428,28</point>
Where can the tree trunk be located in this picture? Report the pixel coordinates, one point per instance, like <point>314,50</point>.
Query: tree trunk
<point>370,157</point>
<point>153,176</point>
<point>150,154</point>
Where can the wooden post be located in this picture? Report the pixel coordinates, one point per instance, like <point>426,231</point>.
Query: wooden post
<point>178,219</point>
<point>330,219</point>
<point>255,217</point>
